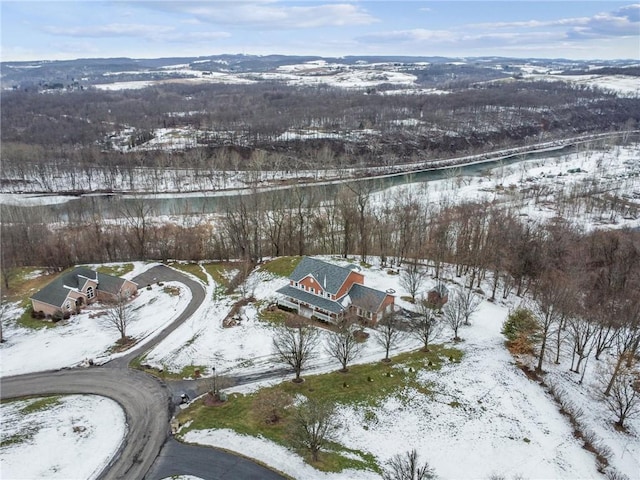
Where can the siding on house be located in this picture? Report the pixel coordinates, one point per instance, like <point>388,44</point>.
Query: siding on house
<point>327,291</point>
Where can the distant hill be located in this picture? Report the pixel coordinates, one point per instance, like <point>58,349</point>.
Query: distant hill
<point>93,71</point>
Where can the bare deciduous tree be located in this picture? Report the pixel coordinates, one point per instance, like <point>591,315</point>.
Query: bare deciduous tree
<point>313,425</point>
<point>468,302</point>
<point>461,306</point>
<point>627,340</point>
<point>623,399</point>
<point>388,333</point>
<point>3,309</point>
<point>295,346</point>
<point>137,214</point>
<point>453,318</point>
<point>412,278</point>
<point>407,467</point>
<point>343,345</point>
<point>553,294</point>
<point>119,315</point>
<point>426,326</point>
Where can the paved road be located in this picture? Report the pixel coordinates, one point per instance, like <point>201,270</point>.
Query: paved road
<point>147,402</point>
<point>211,464</point>
<point>143,398</point>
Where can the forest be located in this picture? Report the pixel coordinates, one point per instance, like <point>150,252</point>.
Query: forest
<point>269,126</point>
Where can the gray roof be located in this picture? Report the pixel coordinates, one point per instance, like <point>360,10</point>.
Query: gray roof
<point>367,298</point>
<point>56,292</point>
<point>331,277</point>
<point>311,299</point>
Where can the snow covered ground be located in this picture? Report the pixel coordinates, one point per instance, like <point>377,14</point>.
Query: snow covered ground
<point>359,76</point>
<point>502,423</point>
<point>86,336</point>
<point>71,438</point>
<point>534,188</point>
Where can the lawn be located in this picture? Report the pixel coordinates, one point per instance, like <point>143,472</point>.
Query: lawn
<point>219,271</point>
<point>364,385</point>
<point>116,270</point>
<point>281,266</point>
<point>192,268</point>
<point>24,282</point>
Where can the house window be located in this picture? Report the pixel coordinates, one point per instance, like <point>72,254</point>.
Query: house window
<point>313,290</point>
<point>68,305</point>
<point>328,295</point>
<point>295,284</point>
<point>90,293</point>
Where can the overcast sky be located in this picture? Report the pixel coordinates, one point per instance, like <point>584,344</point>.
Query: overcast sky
<point>53,30</point>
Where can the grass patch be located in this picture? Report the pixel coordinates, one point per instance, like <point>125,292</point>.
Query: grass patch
<point>29,427</point>
<point>18,438</point>
<point>219,272</point>
<point>192,268</point>
<point>275,316</point>
<point>364,385</point>
<point>40,404</point>
<point>187,372</point>
<point>116,270</point>
<point>24,282</point>
<point>190,371</point>
<point>27,321</point>
<point>281,266</point>
<point>171,291</point>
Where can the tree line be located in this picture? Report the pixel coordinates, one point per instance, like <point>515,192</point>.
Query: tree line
<point>73,133</point>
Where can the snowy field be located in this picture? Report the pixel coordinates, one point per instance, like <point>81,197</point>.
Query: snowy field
<point>71,438</point>
<point>500,410</point>
<point>360,76</point>
<point>534,187</point>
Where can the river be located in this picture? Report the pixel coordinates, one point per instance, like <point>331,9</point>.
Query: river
<point>109,206</point>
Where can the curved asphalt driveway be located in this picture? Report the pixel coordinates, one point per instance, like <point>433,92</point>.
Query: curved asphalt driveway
<point>146,400</point>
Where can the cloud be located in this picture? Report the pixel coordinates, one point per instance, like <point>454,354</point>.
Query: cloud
<point>150,32</point>
<point>570,32</point>
<point>620,23</point>
<point>532,23</point>
<point>111,30</point>
<point>269,14</point>
<point>456,39</point>
<point>196,36</point>
<point>409,36</point>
